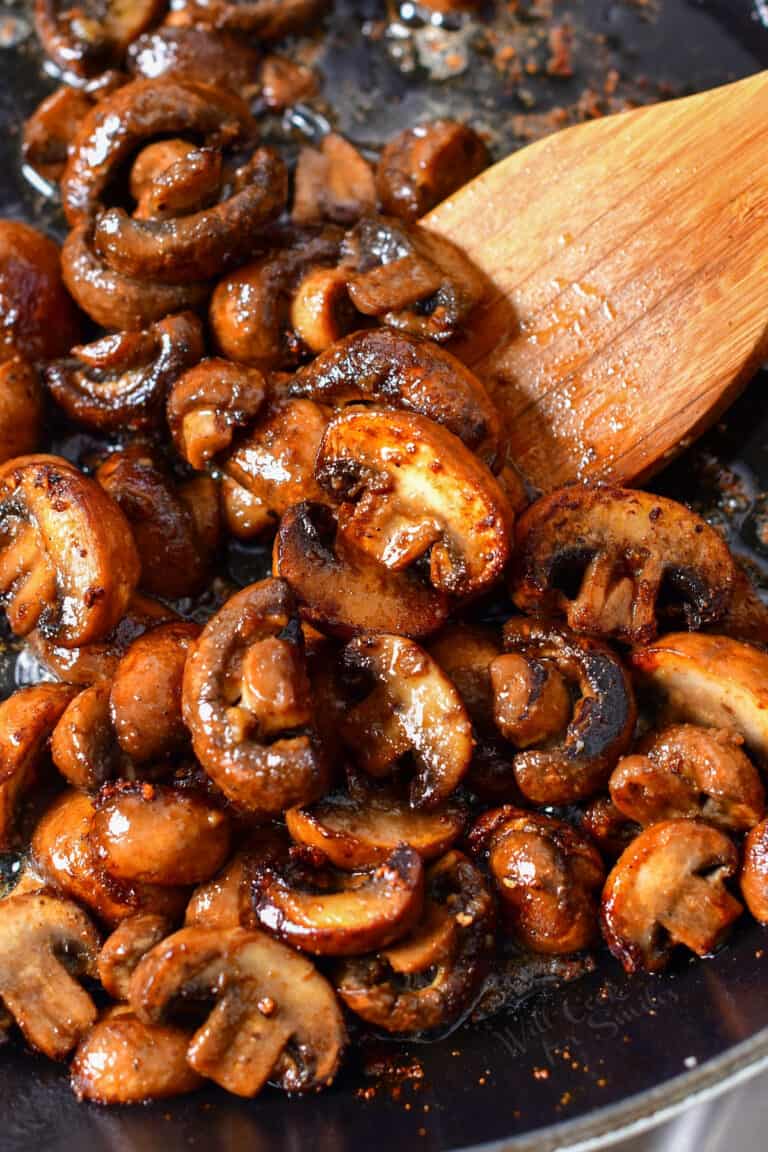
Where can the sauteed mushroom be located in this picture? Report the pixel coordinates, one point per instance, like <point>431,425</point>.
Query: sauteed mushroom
<point>611,830</point>
<point>395,370</point>
<point>321,311</point>
<point>27,719</point>
<point>173,178</point>
<point>423,165</point>
<point>121,380</point>
<point>21,408</point>
<point>68,564</point>
<point>247,703</point>
<point>276,1018</point>
<point>531,699</point>
<point>548,876</point>
<point>332,182</point>
<point>754,872</point>
<point>335,913</point>
<point>410,707</point>
<point>428,979</point>
<point>86,40</point>
<point>669,888</point>
<point>209,403</point>
<point>408,487</point>
<point>124,1061</point>
<point>410,278</point>
<point>224,901</point>
<point>175,526</point>
<point>196,53</point>
<point>340,590</point>
<point>604,556</point>
<point>50,130</point>
<point>45,945</point>
<point>284,82</point>
<point>37,319</point>
<point>123,949</point>
<point>267,19</point>
<point>603,717</point>
<point>685,771</point>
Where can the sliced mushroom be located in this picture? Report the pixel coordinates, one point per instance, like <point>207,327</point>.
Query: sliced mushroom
<point>359,827</point>
<point>175,526</point>
<point>612,559</point>
<point>423,165</point>
<point>188,248</point>
<point>410,278</point>
<point>123,949</point>
<point>50,130</point>
<point>408,487</point>
<point>531,699</point>
<point>686,771</point>
<point>754,872</point>
<point>284,82</point>
<point>27,719</point>
<point>116,301</point>
<point>710,680</point>
<point>321,311</point>
<point>156,834</point>
<point>602,723</point>
<point>196,53</point>
<point>68,563</point>
<point>21,408</point>
<point>45,945</point>
<point>207,405</point>
<point>38,318</point>
<point>224,901</point>
<point>548,875</point>
<point>409,707</point>
<point>124,1061</point>
<point>272,466</point>
<point>275,1018</point>
<point>121,380</point>
<point>428,979</point>
<point>63,851</point>
<point>340,590</point>
<point>611,830</point>
<point>83,747</point>
<point>332,182</point>
<point>395,370</point>
<point>121,123</point>
<point>266,19</point>
<point>247,703</point>
<point>173,178</point>
<point>335,913</point>
<point>668,888</point>
<point>88,39</point>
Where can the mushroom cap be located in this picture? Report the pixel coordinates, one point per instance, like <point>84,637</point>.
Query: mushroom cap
<point>39,319</point>
<point>754,873</point>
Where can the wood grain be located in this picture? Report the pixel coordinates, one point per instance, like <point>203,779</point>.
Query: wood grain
<point>627,262</point>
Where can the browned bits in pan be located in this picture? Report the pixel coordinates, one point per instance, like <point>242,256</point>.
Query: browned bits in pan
<point>425,164</point>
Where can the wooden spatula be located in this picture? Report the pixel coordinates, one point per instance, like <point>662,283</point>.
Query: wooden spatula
<point>628,269</point>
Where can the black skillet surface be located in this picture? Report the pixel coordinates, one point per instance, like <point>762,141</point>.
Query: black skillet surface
<point>632,1047</point>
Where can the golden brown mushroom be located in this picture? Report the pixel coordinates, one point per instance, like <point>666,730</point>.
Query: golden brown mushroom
<point>275,1018</point>
<point>266,19</point>
<point>332,182</point>
<point>284,82</point>
<point>224,901</point>
<point>611,830</point>
<point>754,872</point>
<point>92,37</point>
<point>209,403</point>
<point>21,408</point>
<point>423,165</point>
<point>196,53</point>
<point>123,949</point>
<point>174,178</point>
<point>39,319</point>
<point>68,563</point>
<point>50,130</point>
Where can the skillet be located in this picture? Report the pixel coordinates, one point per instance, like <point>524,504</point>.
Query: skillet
<point>573,1064</point>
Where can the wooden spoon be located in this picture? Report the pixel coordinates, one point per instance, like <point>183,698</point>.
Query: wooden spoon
<point>628,269</point>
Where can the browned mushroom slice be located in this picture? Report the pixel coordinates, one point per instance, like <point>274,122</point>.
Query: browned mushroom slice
<point>548,876</point>
<point>83,746</point>
<point>21,408</point>
<point>410,278</point>
<point>155,834</point>
<point>360,826</point>
<point>611,830</point>
<point>121,380</point>
<point>39,320</point>
<point>572,765</point>
<point>407,488</point>
<point>50,130</point>
<point>224,901</point>
<point>396,370</point>
<point>63,851</point>
<point>321,311</point>
<point>340,590</point>
<point>423,165</point>
<point>284,82</point>
<point>27,719</point>
<point>531,699</point>
<point>196,53</point>
<point>201,245</point>
<point>247,703</point>
<point>175,526</point>
<point>668,888</point>
<point>409,707</point>
<point>174,178</point>
<point>272,466</point>
<point>428,979</point>
<point>121,123</point>
<point>335,913</point>
<point>754,872</point>
<point>275,1018</point>
<point>250,313</point>
<point>87,39</point>
<point>68,563</point>
<point>685,771</point>
<point>124,1061</point>
<point>608,557</point>
<point>123,949</point>
<point>209,403</point>
<point>333,182</point>
<point>267,19</point>
<point>45,944</point>
<point>710,680</point>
